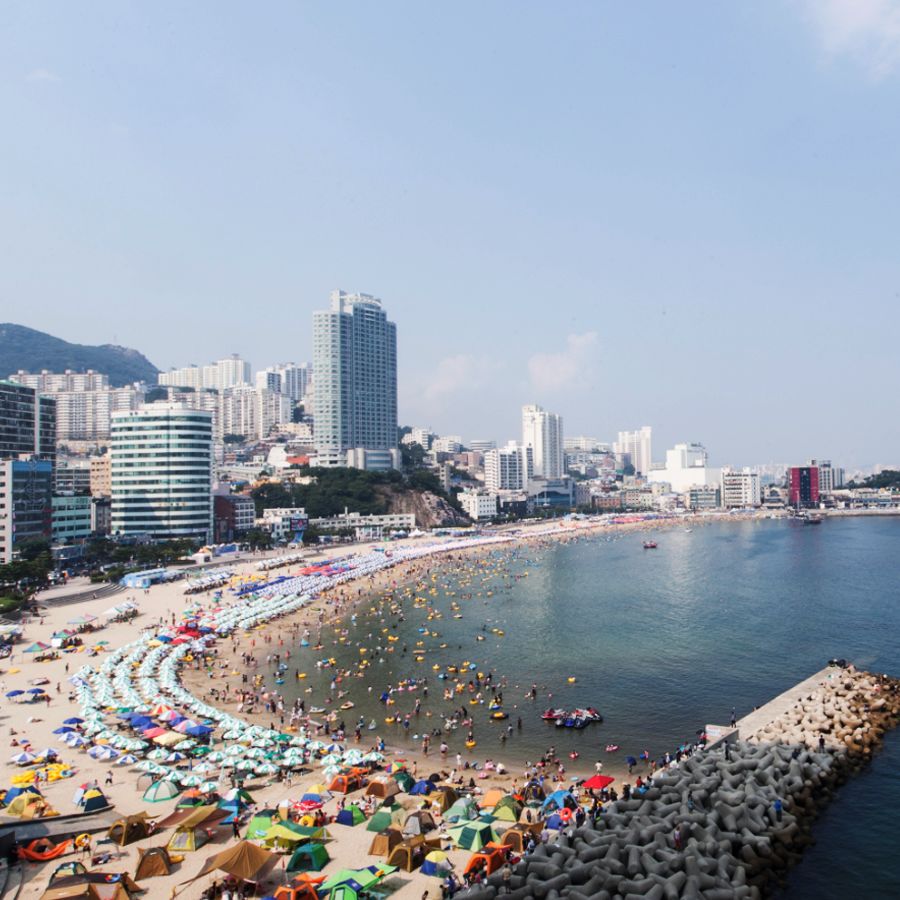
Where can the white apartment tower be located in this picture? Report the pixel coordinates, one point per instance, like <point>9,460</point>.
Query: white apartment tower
<point>161,472</point>
<point>543,432</point>
<point>355,365</point>
<point>634,448</point>
<point>226,373</point>
<point>509,468</point>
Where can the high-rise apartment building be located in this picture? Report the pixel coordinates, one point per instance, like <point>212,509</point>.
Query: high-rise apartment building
<point>27,422</point>
<point>161,472</point>
<point>830,477</point>
<point>634,448</point>
<point>543,432</point>
<point>26,502</point>
<point>740,489</point>
<point>225,373</point>
<point>355,365</point>
<point>803,482</point>
<point>289,379</point>
<point>508,468</point>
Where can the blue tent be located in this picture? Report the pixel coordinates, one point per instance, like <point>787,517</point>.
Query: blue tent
<point>422,787</point>
<point>14,792</point>
<point>555,822</point>
<point>558,800</point>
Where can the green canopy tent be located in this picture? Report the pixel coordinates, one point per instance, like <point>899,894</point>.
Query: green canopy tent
<point>385,817</point>
<point>261,823</point>
<point>464,809</point>
<point>350,815</point>
<point>508,810</point>
<point>472,835</point>
<point>405,780</point>
<point>349,884</point>
<point>311,857</point>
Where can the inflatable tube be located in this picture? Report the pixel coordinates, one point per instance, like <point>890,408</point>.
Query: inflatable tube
<point>42,855</point>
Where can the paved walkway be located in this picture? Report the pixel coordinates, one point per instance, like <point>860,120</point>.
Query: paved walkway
<point>759,718</point>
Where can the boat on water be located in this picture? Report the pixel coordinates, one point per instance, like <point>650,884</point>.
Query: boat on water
<point>649,545</point>
<point>577,718</point>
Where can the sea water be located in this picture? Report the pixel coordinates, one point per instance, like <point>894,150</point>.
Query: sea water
<point>662,642</point>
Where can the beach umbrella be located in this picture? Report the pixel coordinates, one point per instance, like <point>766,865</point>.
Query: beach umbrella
<point>64,729</point>
<point>36,690</point>
<point>127,759</point>
<point>73,720</point>
<point>23,759</point>
<point>598,782</point>
<point>216,756</point>
<point>15,693</point>
<point>209,786</point>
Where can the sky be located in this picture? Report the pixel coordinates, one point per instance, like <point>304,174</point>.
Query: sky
<point>681,215</point>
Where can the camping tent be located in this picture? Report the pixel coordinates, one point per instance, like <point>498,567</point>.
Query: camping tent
<point>472,835</point>
<point>411,853</point>
<point>488,859</point>
<point>385,841</point>
<point>348,884</point>
<point>303,887</point>
<point>129,828</point>
<point>153,861</point>
<point>507,810</point>
<point>385,818</point>
<point>404,779</point>
<point>464,809</point>
<point>345,784</point>
<point>261,823</point>
<point>421,788</point>
<point>533,792</point>
<point>382,788</point>
<point>518,836</point>
<point>186,839</point>
<point>419,822</point>
<point>558,800</point>
<point>491,798</point>
<point>161,790</point>
<point>73,867</point>
<point>93,800</point>
<point>243,860</point>
<point>350,815</point>
<point>436,863</point>
<point>311,857</point>
<point>285,835</point>
<point>444,798</point>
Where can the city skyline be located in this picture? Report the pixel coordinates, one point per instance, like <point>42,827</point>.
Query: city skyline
<point>608,232</point>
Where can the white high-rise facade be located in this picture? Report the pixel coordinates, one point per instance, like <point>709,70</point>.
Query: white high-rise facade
<point>634,448</point>
<point>290,379</point>
<point>543,432</point>
<point>226,373</point>
<point>355,365</point>
<point>740,489</point>
<point>161,472</point>
<point>508,468</point>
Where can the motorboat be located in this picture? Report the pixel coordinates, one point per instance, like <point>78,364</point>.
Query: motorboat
<point>649,545</point>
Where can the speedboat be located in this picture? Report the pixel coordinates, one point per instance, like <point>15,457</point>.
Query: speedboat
<point>551,715</point>
<point>649,545</point>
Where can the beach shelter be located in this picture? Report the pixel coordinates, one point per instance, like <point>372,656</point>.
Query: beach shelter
<point>598,782</point>
<point>261,823</point>
<point>491,798</point>
<point>129,828</point>
<point>518,836</point>
<point>436,863</point>
<point>64,870</point>
<point>303,887</point>
<point>186,840</point>
<point>533,793</point>
<point>443,798</point>
<point>160,791</point>
<point>419,822</point>
<point>487,860</point>
<point>558,800</point>
<point>29,806</point>
<point>349,884</point>
<point>507,810</point>
<point>385,841</point>
<point>243,861</point>
<point>464,809</point>
<point>94,800</point>
<point>410,853</point>
<point>472,835</point>
<point>554,822</point>
<point>310,857</point>
<point>422,788</point>
<point>350,815</point>
<point>382,788</point>
<point>404,779</point>
<point>344,784</point>
<point>238,795</point>
<point>385,818</point>
<point>153,862</point>
<point>285,835</point>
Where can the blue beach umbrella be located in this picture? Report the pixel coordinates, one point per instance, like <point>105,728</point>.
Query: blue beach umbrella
<point>15,693</point>
<point>74,720</point>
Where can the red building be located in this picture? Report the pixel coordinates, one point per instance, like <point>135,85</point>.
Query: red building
<point>804,486</point>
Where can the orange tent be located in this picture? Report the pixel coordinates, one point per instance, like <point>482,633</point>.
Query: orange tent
<point>344,784</point>
<point>489,858</point>
<point>491,798</point>
<point>303,887</point>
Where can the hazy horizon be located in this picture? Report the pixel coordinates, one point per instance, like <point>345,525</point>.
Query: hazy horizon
<point>682,217</point>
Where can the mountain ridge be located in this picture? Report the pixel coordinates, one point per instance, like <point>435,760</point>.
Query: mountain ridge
<point>32,350</point>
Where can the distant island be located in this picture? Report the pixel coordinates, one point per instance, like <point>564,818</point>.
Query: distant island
<point>31,350</point>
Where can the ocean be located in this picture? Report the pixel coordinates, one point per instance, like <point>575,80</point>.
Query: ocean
<point>662,642</point>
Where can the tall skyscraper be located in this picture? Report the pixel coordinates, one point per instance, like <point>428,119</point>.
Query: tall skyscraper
<point>508,468</point>
<point>543,432</point>
<point>161,466</point>
<point>355,365</point>
<point>634,448</point>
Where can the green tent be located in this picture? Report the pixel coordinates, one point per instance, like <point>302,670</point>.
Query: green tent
<point>385,817</point>
<point>463,810</point>
<point>508,810</point>
<point>284,835</point>
<point>405,780</point>
<point>348,884</point>
<point>311,857</point>
<point>472,835</point>
<point>161,790</point>
<point>260,824</point>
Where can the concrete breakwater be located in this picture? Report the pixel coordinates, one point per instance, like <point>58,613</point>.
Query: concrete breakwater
<point>728,821</point>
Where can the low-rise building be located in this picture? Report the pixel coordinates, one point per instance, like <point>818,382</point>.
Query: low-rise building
<point>478,505</point>
<point>702,498</point>
<point>740,489</point>
<point>233,516</point>
<point>365,527</point>
<point>284,523</point>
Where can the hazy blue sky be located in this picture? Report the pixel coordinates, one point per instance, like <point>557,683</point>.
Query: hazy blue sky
<point>677,214</point>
